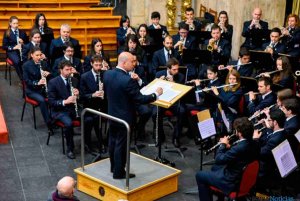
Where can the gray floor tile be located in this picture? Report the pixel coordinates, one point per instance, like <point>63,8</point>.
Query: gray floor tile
<point>37,170</point>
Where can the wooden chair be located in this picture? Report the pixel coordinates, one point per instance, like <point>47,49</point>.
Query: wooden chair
<point>202,10</point>
<point>214,13</point>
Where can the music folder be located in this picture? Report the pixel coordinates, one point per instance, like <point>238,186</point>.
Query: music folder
<point>248,84</point>
<point>196,56</point>
<point>156,34</point>
<point>262,60</point>
<point>206,124</point>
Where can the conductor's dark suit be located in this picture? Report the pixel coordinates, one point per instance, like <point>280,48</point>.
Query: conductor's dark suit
<point>228,168</point>
<point>122,95</point>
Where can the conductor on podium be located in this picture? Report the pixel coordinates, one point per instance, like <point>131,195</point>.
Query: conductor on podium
<point>123,94</point>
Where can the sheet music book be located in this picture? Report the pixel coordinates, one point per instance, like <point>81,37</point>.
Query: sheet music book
<point>284,158</point>
<point>207,128</point>
<point>224,118</point>
<point>297,135</point>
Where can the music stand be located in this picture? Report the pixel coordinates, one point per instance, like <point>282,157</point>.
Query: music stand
<point>276,87</point>
<point>156,34</point>
<point>262,60</point>
<point>201,36</point>
<point>249,84</point>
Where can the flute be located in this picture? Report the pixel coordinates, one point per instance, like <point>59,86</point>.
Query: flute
<point>217,145</point>
<point>193,81</point>
<point>271,72</point>
<point>208,89</point>
<point>72,94</point>
<point>260,112</point>
<point>234,66</point>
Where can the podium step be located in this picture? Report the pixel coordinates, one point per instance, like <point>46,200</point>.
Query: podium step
<point>153,180</point>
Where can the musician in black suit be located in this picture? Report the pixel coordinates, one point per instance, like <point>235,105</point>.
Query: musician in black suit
<point>267,170</point>
<point>291,35</point>
<point>13,41</point>
<point>62,102</point>
<point>161,57</point>
<point>171,74</point>
<point>122,95</point>
<point>291,108</point>
<point>123,31</point>
<point>35,41</point>
<point>226,28</point>
<point>92,96</point>
<point>267,96</point>
<point>229,161</point>
<point>68,50</point>
<point>57,43</point>
<point>35,74</point>
<point>194,25</point>
<point>274,46</point>
<point>41,24</point>
<point>254,30</point>
<point>155,17</point>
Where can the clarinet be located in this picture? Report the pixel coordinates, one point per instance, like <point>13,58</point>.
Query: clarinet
<point>44,78</point>
<point>72,94</point>
<point>100,85</point>
<point>20,50</point>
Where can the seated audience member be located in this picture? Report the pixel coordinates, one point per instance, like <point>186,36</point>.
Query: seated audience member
<point>123,31</point>
<point>65,189</point>
<point>194,25</point>
<point>230,161</point>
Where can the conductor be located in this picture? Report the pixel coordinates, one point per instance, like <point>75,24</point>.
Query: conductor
<point>122,94</point>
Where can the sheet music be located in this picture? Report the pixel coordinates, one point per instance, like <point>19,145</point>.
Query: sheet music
<point>207,128</point>
<point>225,120</point>
<point>297,135</point>
<point>152,89</point>
<point>284,158</point>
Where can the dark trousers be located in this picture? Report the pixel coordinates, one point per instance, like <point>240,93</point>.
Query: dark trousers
<point>66,119</point>
<point>14,56</point>
<point>203,180</point>
<point>144,113</point>
<point>42,104</point>
<point>117,149</point>
<point>92,121</point>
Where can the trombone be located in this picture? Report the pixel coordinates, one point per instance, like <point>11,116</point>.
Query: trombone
<point>209,89</point>
<point>235,66</point>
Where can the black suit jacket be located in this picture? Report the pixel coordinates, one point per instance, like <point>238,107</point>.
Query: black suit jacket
<point>56,48</point>
<point>178,78</point>
<point>86,66</point>
<point>190,42</point>
<point>76,64</point>
<point>254,36</point>
<point>123,93</point>
<point>292,42</point>
<point>279,48</point>
<point>292,125</point>
<point>159,59</point>
<point>163,28</point>
<point>26,50</point>
<point>8,42</point>
<point>223,55</point>
<point>260,104</point>
<point>244,70</point>
<point>197,24</point>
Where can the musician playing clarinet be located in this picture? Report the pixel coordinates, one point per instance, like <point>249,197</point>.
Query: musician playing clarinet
<point>92,95</point>
<point>229,162</point>
<point>35,75</point>
<point>63,102</point>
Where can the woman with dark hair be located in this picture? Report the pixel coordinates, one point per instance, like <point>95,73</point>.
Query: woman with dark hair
<point>123,31</point>
<point>132,45</point>
<point>13,41</point>
<point>226,28</point>
<point>96,48</point>
<point>143,36</point>
<point>41,24</point>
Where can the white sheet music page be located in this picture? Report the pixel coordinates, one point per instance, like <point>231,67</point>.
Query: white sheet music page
<point>297,135</point>
<point>225,120</point>
<point>284,158</point>
<point>207,128</point>
<point>147,90</point>
<point>169,95</point>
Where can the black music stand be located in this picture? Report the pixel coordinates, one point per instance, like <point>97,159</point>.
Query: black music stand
<point>276,87</point>
<point>248,84</point>
<point>263,61</point>
<point>201,36</point>
<point>156,34</point>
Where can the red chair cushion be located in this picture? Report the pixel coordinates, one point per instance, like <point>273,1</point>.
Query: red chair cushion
<point>168,113</point>
<point>75,123</point>
<point>10,62</point>
<point>194,112</point>
<point>31,101</point>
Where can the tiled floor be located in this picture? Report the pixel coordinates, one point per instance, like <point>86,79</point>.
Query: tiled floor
<point>29,169</point>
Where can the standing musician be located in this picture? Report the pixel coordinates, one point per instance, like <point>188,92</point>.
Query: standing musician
<point>68,50</point>
<point>226,28</point>
<point>171,74</point>
<point>63,101</point>
<point>96,48</point>
<point>220,48</point>
<point>291,35</point>
<point>274,46</point>
<point>35,41</point>
<point>267,96</point>
<point>229,161</point>
<point>194,25</point>
<point>267,173</point>
<point>13,40</point>
<point>35,75</point>
<point>155,17</point>
<point>122,94</point>
<point>92,96</point>
<point>253,30</point>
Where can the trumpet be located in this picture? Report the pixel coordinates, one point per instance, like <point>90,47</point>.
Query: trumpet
<point>104,64</point>
<point>260,113</point>
<point>271,72</point>
<point>44,78</point>
<point>297,73</point>
<point>180,47</point>
<point>72,94</point>
<point>235,66</point>
<point>271,46</point>
<point>210,46</point>
<point>142,40</point>
<point>191,27</point>
<point>217,145</point>
<point>208,89</point>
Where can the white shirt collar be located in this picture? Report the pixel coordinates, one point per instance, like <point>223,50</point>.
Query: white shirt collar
<point>121,69</point>
<point>287,119</point>
<point>263,96</point>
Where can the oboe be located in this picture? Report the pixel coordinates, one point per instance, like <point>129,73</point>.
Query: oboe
<point>44,78</point>
<point>72,94</point>
<point>217,145</point>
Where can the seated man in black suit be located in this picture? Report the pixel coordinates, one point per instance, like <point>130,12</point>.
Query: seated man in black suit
<point>274,46</point>
<point>171,74</point>
<point>254,30</point>
<point>194,25</point>
<point>267,96</point>
<point>63,102</point>
<point>291,109</point>
<point>57,43</point>
<point>123,94</point>
<point>229,161</point>
<point>155,17</point>
<point>68,50</point>
<point>92,96</point>
<point>35,41</point>
<point>221,48</point>
<point>243,65</point>
<point>267,171</point>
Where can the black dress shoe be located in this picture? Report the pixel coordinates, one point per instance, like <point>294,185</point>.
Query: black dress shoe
<point>176,143</point>
<point>90,150</point>
<point>124,176</point>
<point>71,155</point>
